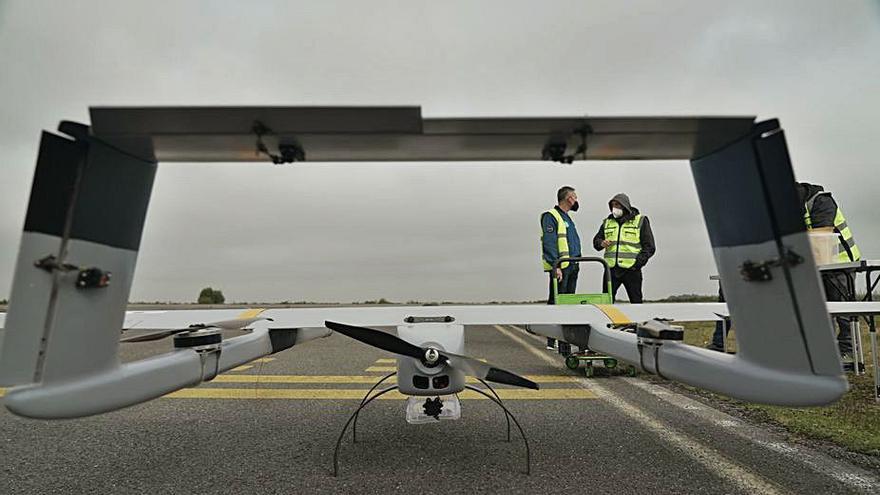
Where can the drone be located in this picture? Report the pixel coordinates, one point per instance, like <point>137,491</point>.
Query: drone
<point>59,343</point>
<point>430,364</point>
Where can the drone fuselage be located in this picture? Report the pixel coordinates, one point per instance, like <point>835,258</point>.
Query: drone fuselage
<point>417,378</point>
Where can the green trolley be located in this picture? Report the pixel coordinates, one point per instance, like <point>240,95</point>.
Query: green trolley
<point>589,359</point>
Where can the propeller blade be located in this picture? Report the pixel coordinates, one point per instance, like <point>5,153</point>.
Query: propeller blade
<point>485,371</point>
<point>149,337</point>
<point>376,338</point>
<point>234,324</point>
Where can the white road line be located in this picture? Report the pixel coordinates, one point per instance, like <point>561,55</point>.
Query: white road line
<point>711,459</point>
<point>852,476</point>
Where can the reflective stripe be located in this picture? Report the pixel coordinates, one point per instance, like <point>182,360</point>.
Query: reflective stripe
<point>625,243</point>
<point>808,205</point>
<point>627,256</point>
<point>849,242</point>
<point>842,226</point>
<point>622,255</point>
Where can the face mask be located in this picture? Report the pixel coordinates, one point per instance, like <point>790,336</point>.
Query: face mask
<point>575,206</point>
<point>617,212</point>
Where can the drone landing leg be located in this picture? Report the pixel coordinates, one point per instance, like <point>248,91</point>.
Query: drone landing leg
<point>354,415</point>
<point>354,425</point>
<point>508,413</point>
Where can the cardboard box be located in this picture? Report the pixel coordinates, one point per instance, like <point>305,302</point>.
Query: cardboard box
<point>824,246</point>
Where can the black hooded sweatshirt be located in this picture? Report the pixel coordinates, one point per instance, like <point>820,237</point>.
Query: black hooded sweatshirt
<point>824,207</point>
<point>646,236</point>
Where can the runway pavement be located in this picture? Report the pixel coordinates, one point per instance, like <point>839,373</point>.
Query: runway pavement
<point>270,427</point>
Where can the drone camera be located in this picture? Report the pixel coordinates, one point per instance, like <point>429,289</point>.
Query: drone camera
<point>420,382</point>
<point>440,382</point>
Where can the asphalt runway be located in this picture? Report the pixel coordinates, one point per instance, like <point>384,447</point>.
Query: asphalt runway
<point>271,426</point>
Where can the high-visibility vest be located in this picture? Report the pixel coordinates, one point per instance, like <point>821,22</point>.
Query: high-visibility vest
<point>625,241</point>
<point>561,240</point>
<point>844,234</point>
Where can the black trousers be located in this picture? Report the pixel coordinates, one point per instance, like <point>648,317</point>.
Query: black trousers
<point>568,285</point>
<point>835,285</point>
<point>631,281</point>
<point>718,336</point>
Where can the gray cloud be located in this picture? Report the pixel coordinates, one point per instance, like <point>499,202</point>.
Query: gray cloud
<point>427,231</point>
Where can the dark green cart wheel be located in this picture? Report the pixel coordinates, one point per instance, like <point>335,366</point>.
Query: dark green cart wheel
<point>610,363</point>
<point>572,362</point>
<point>589,371</point>
<point>632,371</point>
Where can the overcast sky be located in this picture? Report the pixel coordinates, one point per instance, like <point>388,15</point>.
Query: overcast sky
<point>457,232</point>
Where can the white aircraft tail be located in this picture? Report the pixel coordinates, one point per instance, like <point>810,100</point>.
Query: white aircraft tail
<point>76,259</point>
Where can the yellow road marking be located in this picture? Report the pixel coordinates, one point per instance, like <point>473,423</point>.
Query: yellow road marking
<point>617,316</point>
<point>242,368</point>
<point>2,392</point>
<point>250,313</point>
<point>263,360</point>
<point>382,368</point>
<point>357,394</point>
<point>386,360</point>
<point>370,379</point>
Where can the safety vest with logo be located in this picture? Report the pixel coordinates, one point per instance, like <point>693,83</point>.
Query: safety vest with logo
<point>847,243</point>
<point>561,240</point>
<point>625,241</point>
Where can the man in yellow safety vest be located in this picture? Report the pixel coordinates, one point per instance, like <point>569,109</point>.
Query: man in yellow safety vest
<point>559,239</point>
<point>822,212</point>
<point>628,241</point>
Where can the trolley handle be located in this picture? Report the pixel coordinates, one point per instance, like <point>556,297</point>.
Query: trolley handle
<point>578,259</point>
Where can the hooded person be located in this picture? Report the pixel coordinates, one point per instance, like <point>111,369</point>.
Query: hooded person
<point>821,212</point>
<point>626,237</point>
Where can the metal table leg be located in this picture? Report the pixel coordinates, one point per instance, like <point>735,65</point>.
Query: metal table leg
<point>855,335</point>
<point>872,331</point>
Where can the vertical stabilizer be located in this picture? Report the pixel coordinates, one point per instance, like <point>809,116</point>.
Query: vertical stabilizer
<point>76,259</point>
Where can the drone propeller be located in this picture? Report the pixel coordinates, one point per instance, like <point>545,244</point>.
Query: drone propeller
<point>431,356</point>
<point>235,324</point>
<point>149,337</point>
<point>485,371</point>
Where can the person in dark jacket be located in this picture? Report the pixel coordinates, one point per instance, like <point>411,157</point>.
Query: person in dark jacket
<point>718,343</point>
<point>626,237</point>
<point>821,211</point>
<point>559,239</point>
